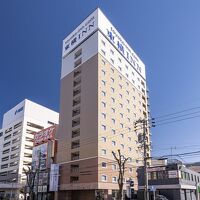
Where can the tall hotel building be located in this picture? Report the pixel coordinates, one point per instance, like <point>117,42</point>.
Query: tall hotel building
<point>16,142</point>
<point>103,92</point>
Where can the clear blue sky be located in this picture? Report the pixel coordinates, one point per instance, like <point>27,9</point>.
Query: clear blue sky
<point>165,34</point>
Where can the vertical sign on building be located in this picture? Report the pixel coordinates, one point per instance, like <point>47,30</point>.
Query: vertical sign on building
<point>54,174</point>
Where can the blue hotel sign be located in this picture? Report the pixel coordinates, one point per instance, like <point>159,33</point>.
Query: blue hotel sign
<point>79,34</point>
<point>123,48</point>
<point>19,110</point>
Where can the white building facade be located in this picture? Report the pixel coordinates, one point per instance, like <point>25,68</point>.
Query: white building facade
<point>16,139</point>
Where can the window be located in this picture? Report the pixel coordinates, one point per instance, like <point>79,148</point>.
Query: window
<point>103,72</point>
<point>35,125</point>
<point>120,95</point>
<point>75,144</point>
<point>122,135</point>
<point>133,73</point>
<point>103,104</point>
<point>120,69</point>
<point>8,130</point>
<point>113,110</point>
<point>129,138</point>
<point>13,164</point>
<point>7,137</point>
<point>103,127</point>
<point>77,72</point>
<point>112,89</point>
<point>74,168</point>
<point>120,60</point>
<point>103,164</point>
<point>121,105</point>
<point>113,131</point>
<point>127,83</point>
<point>104,178</point>
<point>126,67</point>
<point>103,152</point>
<point>78,53</point>
<point>120,86</point>
<point>103,115</point>
<point>16,140</point>
<point>16,132</point>
<point>112,61</point>
<point>120,77</point>
<point>103,93</point>
<point>114,179</point>
<point>103,139</point>
<point>77,101</point>
<point>113,143</point>
<point>130,170</point>
<point>121,115</point>
<point>75,122</point>
<point>74,179</point>
<point>78,62</point>
<point>76,91</point>
<point>113,100</point>
<point>17,125</point>
<point>5,158</point>
<point>75,156</point>
<point>1,133</point>
<point>112,70</point>
<point>76,112</point>
<point>112,52</point>
<point>6,144</point>
<point>127,92</point>
<point>103,61</point>
<point>129,120</point>
<point>122,146</point>
<point>6,151</point>
<point>77,81</point>
<point>121,125</point>
<point>26,147</point>
<point>103,52</point>
<point>103,42</point>
<point>114,167</point>
<point>103,82</point>
<point>112,79</point>
<point>113,121</point>
<point>129,149</point>
<point>4,166</point>
<point>128,110</point>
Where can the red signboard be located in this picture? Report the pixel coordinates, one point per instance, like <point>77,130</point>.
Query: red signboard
<point>44,135</point>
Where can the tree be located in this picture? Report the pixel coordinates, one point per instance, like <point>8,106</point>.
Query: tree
<point>121,161</point>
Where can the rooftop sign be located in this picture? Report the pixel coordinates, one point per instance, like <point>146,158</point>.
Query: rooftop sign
<point>97,20</point>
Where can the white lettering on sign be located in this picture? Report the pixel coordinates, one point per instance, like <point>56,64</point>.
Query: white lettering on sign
<point>153,169</point>
<point>173,174</point>
<point>44,135</point>
<point>86,28</point>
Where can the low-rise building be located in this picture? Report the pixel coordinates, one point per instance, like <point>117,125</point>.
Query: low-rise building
<point>173,180</point>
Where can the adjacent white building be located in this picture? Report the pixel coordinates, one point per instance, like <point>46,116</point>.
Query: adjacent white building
<point>16,138</point>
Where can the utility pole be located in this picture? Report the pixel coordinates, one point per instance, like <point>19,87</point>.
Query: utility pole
<point>38,171</point>
<point>121,164</point>
<point>144,124</point>
<point>30,180</point>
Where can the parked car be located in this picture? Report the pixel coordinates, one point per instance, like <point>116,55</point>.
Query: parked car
<point>161,197</point>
